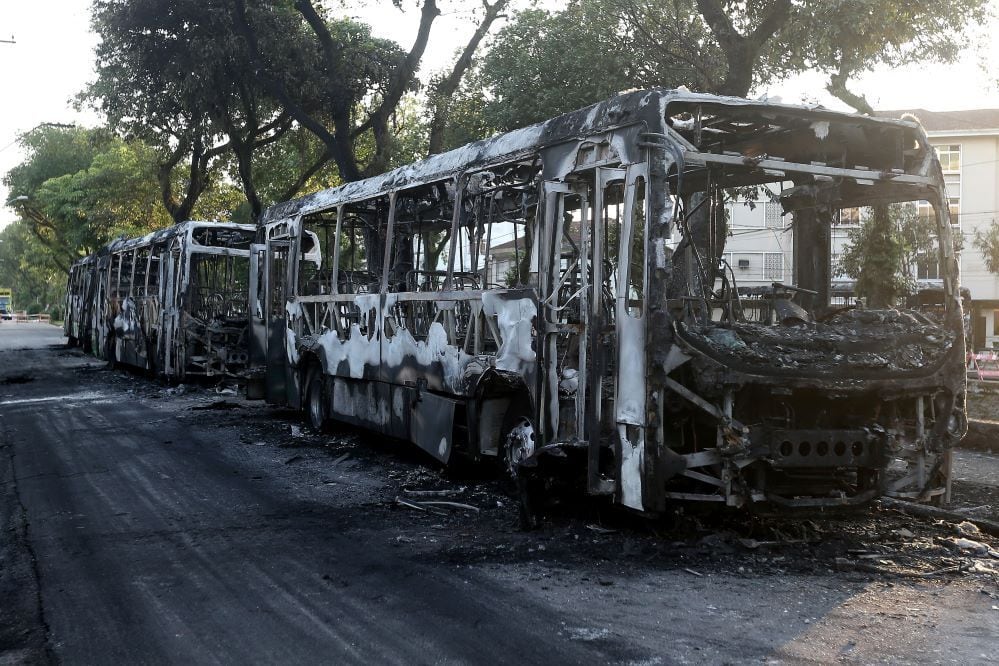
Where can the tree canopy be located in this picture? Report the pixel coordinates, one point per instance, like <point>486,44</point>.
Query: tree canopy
<point>217,108</point>
<point>78,189</point>
<point>545,62</point>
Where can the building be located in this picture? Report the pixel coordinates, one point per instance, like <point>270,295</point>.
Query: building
<point>968,145</point>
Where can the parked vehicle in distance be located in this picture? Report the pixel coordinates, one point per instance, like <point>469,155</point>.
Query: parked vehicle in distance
<point>614,336</point>
<point>172,302</point>
<point>6,303</point>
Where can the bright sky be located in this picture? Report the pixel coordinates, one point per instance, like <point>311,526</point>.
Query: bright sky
<point>52,60</point>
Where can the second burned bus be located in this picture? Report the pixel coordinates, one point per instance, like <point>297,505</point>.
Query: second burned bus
<point>613,334</point>
<point>172,302</point>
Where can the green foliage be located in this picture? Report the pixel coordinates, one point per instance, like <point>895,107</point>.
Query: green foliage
<point>77,190</point>
<point>215,85</point>
<point>116,194</point>
<point>544,63</point>
<point>880,253</point>
<point>32,280</point>
<point>53,151</point>
<point>878,264</point>
<point>987,242</point>
<point>547,62</point>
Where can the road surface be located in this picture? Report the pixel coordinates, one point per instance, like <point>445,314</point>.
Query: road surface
<point>148,524</point>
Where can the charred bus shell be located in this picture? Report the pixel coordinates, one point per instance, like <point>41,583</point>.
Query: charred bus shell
<point>172,302</point>
<point>561,291</point>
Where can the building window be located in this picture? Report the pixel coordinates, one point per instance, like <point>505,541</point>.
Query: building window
<point>950,162</point>
<point>950,157</point>
<point>927,267</point>
<point>848,217</point>
<point>772,212</point>
<point>773,266</point>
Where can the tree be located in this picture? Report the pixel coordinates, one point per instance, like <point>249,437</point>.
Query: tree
<point>173,73</point>
<point>33,282</point>
<point>544,62</point>
<point>881,254</point>
<point>78,189</point>
<point>444,87</point>
<point>987,242</point>
<point>875,257</point>
<point>350,68</point>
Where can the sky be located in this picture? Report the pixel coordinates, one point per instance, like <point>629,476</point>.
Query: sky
<point>52,60</point>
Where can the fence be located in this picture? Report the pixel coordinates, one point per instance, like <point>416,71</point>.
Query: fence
<point>23,317</point>
<point>984,365</point>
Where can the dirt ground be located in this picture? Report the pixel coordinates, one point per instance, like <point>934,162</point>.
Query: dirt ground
<point>983,400</point>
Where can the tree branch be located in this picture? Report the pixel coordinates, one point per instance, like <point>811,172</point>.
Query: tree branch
<point>741,51</point>
<point>775,19</point>
<point>401,79</point>
<point>337,147</point>
<point>304,177</point>
<point>55,248</point>
<point>447,87</point>
<point>837,88</point>
<point>165,176</point>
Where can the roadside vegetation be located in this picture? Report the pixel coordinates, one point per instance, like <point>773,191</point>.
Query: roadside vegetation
<point>215,109</point>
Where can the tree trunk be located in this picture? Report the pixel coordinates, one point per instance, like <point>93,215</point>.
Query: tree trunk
<point>741,51</point>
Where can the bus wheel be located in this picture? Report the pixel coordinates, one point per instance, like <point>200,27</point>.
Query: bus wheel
<point>317,402</point>
<point>518,444</point>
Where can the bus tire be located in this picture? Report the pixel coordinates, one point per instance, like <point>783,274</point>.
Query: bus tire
<point>317,400</point>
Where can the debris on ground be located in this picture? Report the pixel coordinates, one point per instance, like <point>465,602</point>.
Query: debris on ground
<point>416,505</point>
<point>976,547</point>
<point>218,404</point>
<point>452,505</point>
<point>600,530</point>
<point>968,529</point>
<point>450,492</point>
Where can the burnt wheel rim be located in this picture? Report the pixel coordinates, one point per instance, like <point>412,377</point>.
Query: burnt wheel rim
<point>519,445</point>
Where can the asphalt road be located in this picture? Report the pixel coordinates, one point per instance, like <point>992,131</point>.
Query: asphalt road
<point>153,545</point>
<point>140,529</point>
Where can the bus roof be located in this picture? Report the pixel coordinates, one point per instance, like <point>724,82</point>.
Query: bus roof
<point>623,109</point>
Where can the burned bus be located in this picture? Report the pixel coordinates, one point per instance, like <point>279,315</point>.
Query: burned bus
<point>609,334</point>
<point>172,302</point>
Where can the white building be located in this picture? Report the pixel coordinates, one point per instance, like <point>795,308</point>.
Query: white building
<point>968,145</point>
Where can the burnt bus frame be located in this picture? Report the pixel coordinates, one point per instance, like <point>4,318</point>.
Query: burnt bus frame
<point>362,375</point>
<point>142,316</point>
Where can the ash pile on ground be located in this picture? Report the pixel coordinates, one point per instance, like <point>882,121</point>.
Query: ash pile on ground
<point>859,340</point>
